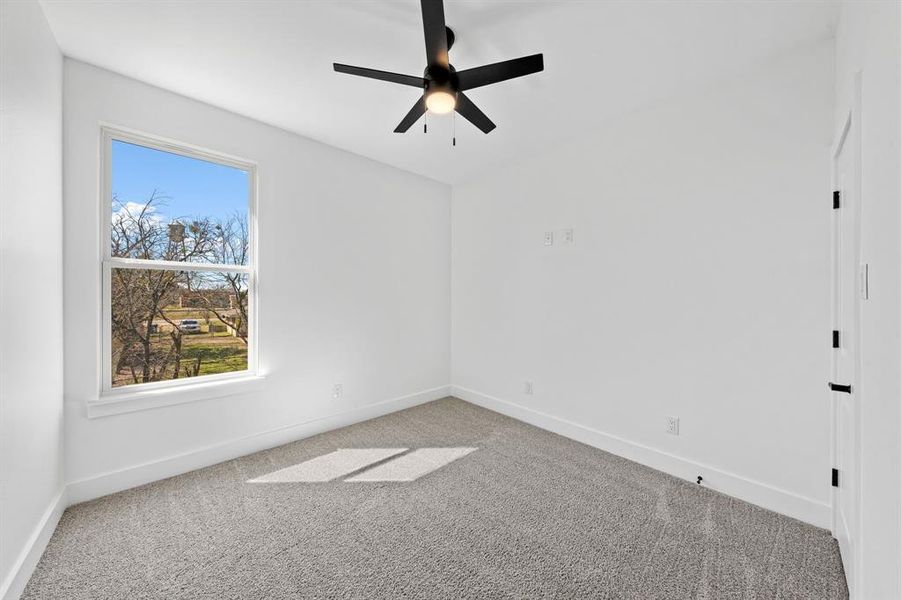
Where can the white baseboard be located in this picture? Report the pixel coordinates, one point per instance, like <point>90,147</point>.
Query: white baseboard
<point>14,584</point>
<point>123,479</point>
<point>749,490</point>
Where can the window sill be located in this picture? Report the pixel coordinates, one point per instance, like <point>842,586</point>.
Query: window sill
<point>116,403</point>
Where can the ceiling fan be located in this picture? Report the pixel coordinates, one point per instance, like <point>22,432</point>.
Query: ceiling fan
<point>442,85</point>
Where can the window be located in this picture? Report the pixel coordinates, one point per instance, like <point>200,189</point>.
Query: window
<point>178,265</point>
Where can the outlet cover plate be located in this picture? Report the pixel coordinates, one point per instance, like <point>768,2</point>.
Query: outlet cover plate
<point>672,425</point>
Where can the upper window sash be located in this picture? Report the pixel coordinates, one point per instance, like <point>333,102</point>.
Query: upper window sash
<point>161,149</point>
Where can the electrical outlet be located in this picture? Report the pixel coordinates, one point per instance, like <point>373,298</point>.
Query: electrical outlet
<point>527,388</point>
<point>337,391</point>
<point>568,236</point>
<point>548,238</point>
<point>672,425</point>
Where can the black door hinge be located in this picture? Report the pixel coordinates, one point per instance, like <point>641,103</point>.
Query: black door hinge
<point>835,339</point>
<point>834,477</point>
<point>836,199</point>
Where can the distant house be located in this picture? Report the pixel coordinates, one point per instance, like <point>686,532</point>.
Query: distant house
<point>223,299</point>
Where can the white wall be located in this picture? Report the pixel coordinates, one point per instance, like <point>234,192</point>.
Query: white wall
<point>697,286</point>
<point>353,288</point>
<point>867,40</point>
<point>31,287</point>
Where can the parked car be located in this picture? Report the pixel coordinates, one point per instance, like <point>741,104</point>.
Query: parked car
<point>189,325</point>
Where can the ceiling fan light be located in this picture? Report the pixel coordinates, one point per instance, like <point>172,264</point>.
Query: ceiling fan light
<point>440,102</point>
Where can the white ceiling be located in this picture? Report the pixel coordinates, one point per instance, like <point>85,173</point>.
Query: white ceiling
<point>272,61</point>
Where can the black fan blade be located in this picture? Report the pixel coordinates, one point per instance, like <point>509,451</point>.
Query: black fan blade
<point>381,75</point>
<point>501,71</point>
<point>417,111</point>
<point>435,32</point>
<point>472,113</point>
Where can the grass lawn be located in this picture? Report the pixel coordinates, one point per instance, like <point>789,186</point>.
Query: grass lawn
<point>220,353</point>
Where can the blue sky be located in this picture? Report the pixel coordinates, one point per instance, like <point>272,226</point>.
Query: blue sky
<point>192,187</point>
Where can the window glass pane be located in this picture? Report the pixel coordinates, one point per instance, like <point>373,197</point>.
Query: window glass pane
<point>175,324</point>
<point>170,207</point>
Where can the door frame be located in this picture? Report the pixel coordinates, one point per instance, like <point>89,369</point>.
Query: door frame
<point>853,116</point>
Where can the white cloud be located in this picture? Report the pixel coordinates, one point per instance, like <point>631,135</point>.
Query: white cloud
<point>126,211</point>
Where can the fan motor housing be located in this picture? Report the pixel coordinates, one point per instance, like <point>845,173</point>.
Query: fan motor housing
<point>438,78</point>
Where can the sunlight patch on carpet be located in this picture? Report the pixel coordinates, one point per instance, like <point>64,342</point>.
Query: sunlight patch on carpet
<point>329,466</point>
<point>412,466</point>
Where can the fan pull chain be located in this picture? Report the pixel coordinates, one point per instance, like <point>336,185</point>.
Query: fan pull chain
<point>455,130</point>
<point>425,123</point>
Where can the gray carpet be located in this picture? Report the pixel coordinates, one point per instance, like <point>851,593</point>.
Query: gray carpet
<point>527,514</point>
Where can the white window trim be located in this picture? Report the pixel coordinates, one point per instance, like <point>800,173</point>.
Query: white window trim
<point>163,393</point>
<point>143,399</point>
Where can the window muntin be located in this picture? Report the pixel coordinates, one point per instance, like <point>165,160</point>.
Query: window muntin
<point>178,265</point>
